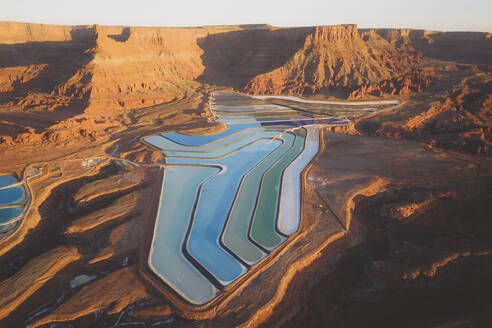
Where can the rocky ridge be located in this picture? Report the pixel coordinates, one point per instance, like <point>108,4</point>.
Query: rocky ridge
<point>336,57</point>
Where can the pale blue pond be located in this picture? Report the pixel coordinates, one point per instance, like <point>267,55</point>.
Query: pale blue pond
<point>166,144</point>
<point>220,207</point>
<point>166,259</point>
<point>12,195</point>
<point>235,235</point>
<point>250,109</point>
<point>8,214</point>
<point>243,119</point>
<point>212,209</point>
<point>290,194</point>
<point>181,157</point>
<point>203,140</point>
<point>240,121</point>
<point>7,180</point>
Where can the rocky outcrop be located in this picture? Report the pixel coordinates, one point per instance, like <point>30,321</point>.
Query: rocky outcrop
<point>423,246</point>
<point>47,67</point>
<point>109,68</point>
<point>335,57</point>
<point>106,68</point>
<point>468,47</point>
<point>49,74</point>
<point>416,81</point>
<point>459,121</point>
<point>140,67</point>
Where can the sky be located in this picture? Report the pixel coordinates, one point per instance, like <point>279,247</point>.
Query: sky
<point>443,15</point>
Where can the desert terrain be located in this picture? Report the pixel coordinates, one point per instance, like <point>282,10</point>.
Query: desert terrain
<point>395,228</point>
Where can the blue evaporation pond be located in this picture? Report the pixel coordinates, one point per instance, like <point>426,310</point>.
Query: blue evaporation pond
<point>332,121</point>
<point>169,145</point>
<point>235,235</point>
<point>7,180</point>
<point>203,140</point>
<point>239,120</point>
<point>181,185</point>
<point>214,203</point>
<point>223,151</point>
<point>8,214</point>
<point>12,195</point>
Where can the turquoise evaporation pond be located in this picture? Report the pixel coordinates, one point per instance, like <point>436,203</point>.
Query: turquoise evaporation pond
<point>263,226</point>
<point>166,259</point>
<point>166,144</point>
<point>235,235</point>
<point>223,151</point>
<point>8,214</point>
<point>12,195</point>
<point>203,140</point>
<point>215,188</point>
<point>216,197</point>
<point>7,180</point>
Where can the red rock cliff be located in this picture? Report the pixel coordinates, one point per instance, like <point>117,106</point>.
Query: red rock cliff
<point>334,57</point>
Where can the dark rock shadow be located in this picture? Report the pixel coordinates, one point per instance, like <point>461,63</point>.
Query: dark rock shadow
<point>123,37</point>
<point>61,62</point>
<point>234,58</point>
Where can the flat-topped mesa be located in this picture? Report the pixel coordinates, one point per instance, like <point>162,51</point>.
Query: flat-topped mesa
<point>333,34</point>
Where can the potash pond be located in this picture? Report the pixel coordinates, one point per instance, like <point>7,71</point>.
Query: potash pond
<point>230,199</point>
<point>13,200</point>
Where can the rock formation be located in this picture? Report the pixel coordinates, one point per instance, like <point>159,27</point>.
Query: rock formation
<point>335,57</point>
<point>467,47</point>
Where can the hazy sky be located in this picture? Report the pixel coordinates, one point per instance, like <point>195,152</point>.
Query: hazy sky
<point>449,15</point>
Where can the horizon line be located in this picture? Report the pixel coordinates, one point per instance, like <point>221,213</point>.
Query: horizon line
<point>253,24</point>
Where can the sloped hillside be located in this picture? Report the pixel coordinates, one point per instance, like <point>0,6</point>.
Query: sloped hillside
<point>335,57</point>
<point>466,47</point>
<point>139,67</point>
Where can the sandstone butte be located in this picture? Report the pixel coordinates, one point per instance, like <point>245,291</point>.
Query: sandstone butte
<point>395,231</point>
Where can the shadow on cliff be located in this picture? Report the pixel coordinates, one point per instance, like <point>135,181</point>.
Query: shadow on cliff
<point>461,47</point>
<point>233,58</point>
<point>61,60</point>
<point>122,37</point>
<point>58,62</point>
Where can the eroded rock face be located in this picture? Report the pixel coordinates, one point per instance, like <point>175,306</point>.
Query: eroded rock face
<point>458,120</point>
<point>426,263</point>
<point>107,68</point>
<point>413,82</point>
<point>51,74</point>
<point>335,57</point>
<point>468,47</point>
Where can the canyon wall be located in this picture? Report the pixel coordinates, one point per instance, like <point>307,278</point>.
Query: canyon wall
<point>335,57</point>
<point>105,68</point>
<point>467,47</point>
<point>50,73</point>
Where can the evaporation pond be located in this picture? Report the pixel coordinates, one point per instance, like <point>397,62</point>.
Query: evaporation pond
<point>216,198</point>
<point>181,185</point>
<point>12,195</point>
<point>7,180</point>
<point>9,213</point>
